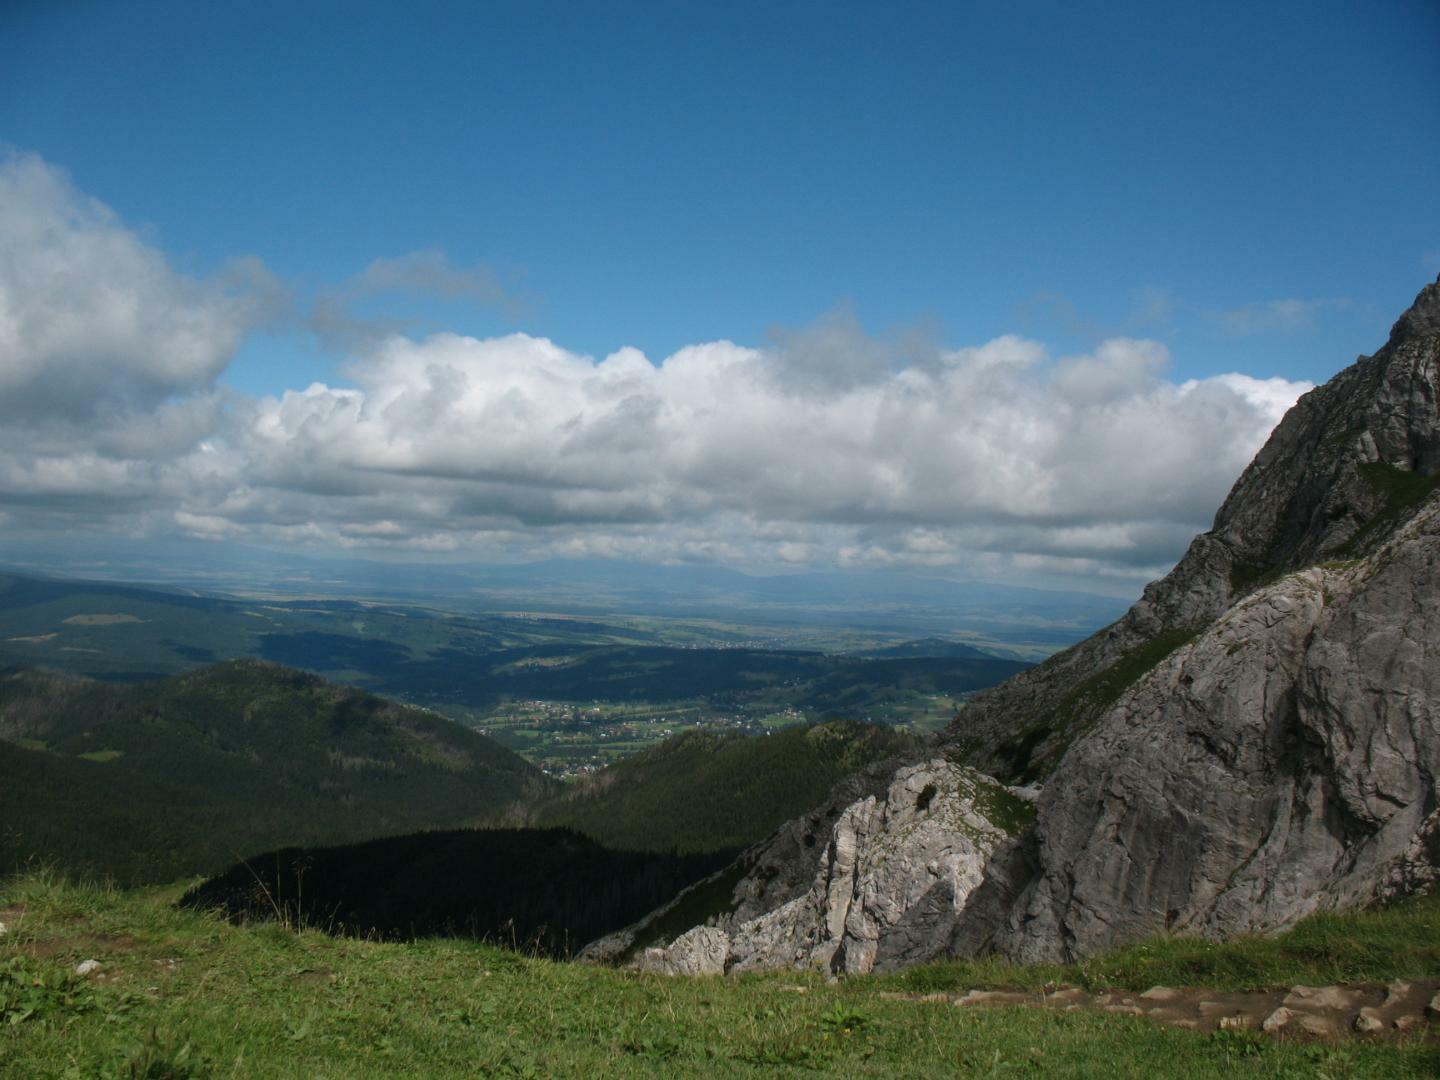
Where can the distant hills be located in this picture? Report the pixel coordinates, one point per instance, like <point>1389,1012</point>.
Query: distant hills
<point>154,781</point>
<point>474,663</point>
<point>818,683</point>
<point>331,806</point>
<point>937,647</point>
<point>898,605</point>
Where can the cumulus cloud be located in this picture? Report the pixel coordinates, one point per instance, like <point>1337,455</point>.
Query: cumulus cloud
<point>108,356</point>
<point>823,446</point>
<point>94,320</point>
<point>718,452</point>
<point>835,353</point>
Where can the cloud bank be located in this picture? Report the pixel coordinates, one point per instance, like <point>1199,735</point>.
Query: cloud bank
<point>824,447</point>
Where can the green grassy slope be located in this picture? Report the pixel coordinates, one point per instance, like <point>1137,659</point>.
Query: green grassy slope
<point>151,781</point>
<point>1401,941</point>
<point>181,994</point>
<point>703,791</point>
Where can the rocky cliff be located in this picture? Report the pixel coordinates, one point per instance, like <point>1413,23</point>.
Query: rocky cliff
<point>1340,470</point>
<point>1258,737</point>
<point>876,879</point>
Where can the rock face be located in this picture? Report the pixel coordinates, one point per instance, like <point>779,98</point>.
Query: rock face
<point>699,951</point>
<point>1256,739</point>
<point>894,877</point>
<point>1282,762</point>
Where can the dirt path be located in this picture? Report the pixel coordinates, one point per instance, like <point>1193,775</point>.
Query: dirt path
<point>1317,1011</point>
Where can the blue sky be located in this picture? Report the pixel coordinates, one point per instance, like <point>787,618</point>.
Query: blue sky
<point>661,174</point>
<point>1251,186</point>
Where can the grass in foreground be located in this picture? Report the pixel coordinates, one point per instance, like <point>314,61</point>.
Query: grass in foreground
<point>186,995</point>
<point>1398,942</point>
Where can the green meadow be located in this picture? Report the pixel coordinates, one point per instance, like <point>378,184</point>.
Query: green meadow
<point>183,994</point>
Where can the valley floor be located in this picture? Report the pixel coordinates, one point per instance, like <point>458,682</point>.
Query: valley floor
<point>179,994</point>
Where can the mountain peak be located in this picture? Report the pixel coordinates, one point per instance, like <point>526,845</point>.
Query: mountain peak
<point>1350,463</point>
<point>1422,319</point>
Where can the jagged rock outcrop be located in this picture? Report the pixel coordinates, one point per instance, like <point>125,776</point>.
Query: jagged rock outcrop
<point>702,950</point>
<point>1285,759</point>
<point>892,877</point>
<point>1258,737</point>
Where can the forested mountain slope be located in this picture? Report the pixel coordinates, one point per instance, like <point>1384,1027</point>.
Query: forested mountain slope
<point>152,781</point>
<point>704,791</point>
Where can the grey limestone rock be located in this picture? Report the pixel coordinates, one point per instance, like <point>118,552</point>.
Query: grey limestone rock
<point>890,878</point>
<point>1282,762</point>
<point>1423,318</point>
<point>699,951</point>
<point>1277,1020</point>
<point>1368,1021</point>
<point>770,873</point>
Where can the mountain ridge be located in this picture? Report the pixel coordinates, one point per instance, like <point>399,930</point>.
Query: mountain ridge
<point>1258,738</point>
<point>147,782</point>
<point>1319,489</point>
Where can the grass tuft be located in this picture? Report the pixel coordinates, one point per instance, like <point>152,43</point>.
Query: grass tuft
<point>1400,490</point>
<point>1401,941</point>
<point>1086,703</point>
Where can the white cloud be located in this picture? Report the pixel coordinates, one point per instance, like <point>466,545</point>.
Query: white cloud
<point>994,448</point>
<point>94,320</point>
<point>823,447</point>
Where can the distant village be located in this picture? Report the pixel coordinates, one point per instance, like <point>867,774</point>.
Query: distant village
<point>584,738</point>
